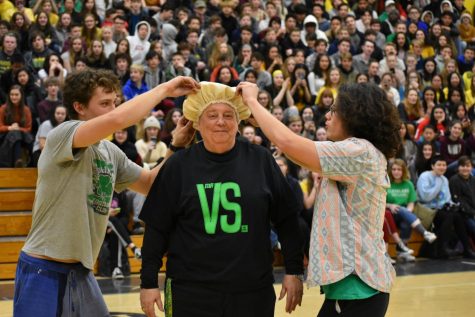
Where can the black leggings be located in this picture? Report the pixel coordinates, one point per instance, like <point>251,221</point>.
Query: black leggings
<point>374,306</point>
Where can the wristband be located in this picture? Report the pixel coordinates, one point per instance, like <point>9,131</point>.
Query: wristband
<point>175,148</point>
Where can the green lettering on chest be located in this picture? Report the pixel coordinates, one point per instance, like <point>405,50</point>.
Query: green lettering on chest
<point>220,199</point>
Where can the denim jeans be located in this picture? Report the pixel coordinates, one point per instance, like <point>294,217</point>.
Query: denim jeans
<point>404,218</point>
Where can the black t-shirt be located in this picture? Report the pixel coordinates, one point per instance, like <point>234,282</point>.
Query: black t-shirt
<point>212,213</point>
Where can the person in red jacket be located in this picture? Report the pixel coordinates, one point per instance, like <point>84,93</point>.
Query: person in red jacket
<point>15,128</point>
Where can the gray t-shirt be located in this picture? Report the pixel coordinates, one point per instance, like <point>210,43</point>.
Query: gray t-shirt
<point>73,195</point>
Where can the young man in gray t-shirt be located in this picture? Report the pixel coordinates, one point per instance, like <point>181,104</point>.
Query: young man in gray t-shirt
<point>77,174</point>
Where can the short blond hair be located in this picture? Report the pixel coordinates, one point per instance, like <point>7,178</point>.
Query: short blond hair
<point>138,68</point>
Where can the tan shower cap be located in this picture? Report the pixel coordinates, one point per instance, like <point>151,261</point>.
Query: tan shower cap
<point>213,93</point>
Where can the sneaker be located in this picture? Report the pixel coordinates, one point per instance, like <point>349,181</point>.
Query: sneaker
<point>117,274</point>
<point>404,248</point>
<point>406,257</point>
<point>393,262</point>
<point>138,229</point>
<point>138,253</point>
<point>429,236</point>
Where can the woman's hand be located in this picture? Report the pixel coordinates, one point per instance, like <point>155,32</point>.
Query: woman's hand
<point>393,207</point>
<point>286,83</point>
<point>248,91</point>
<point>180,86</point>
<point>14,127</point>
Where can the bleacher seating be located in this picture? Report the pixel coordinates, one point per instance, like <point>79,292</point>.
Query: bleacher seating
<point>17,191</point>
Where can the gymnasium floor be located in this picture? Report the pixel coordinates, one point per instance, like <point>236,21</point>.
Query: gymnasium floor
<point>427,288</point>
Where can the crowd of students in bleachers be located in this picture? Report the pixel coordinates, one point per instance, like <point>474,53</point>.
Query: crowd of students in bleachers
<point>299,52</point>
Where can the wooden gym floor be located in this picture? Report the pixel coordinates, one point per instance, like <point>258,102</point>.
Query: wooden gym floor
<point>427,288</point>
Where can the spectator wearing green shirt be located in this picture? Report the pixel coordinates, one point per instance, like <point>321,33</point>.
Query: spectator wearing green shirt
<point>401,198</point>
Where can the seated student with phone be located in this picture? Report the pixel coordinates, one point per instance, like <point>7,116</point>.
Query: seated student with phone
<point>149,147</point>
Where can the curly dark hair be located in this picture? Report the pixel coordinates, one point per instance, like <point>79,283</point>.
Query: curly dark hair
<point>368,114</point>
<point>80,86</point>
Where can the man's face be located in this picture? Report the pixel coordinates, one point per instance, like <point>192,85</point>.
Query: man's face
<point>446,20</point>
<point>167,15</point>
<point>246,36</point>
<point>255,63</point>
<point>439,168</point>
<point>227,10</point>
<point>465,170</point>
<point>271,37</point>
<point>9,44</point>
<point>101,102</point>
<point>194,24</point>
<point>290,23</point>
<point>401,28</point>
<point>178,61</point>
<point>296,127</point>
<point>343,11</point>
<point>414,14</point>
<point>192,38</point>
<point>391,61</point>
<point>69,5</point>
<point>368,48</point>
<point>321,48</point>
<point>389,50</point>
<point>249,133</point>
<point>344,47</point>
<point>52,90</point>
<point>122,64</point>
<point>38,44</point>
<point>469,54</point>
<point>376,27</point>
<point>428,135</point>
<point>346,63</point>
<point>119,24</point>
<point>135,75</point>
<point>153,62</point>
<point>350,23</point>
<point>246,21</point>
<point>335,24</point>
<point>143,31</point>
<point>295,36</point>
<point>75,31</point>
<point>218,125</point>
<point>373,69</point>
